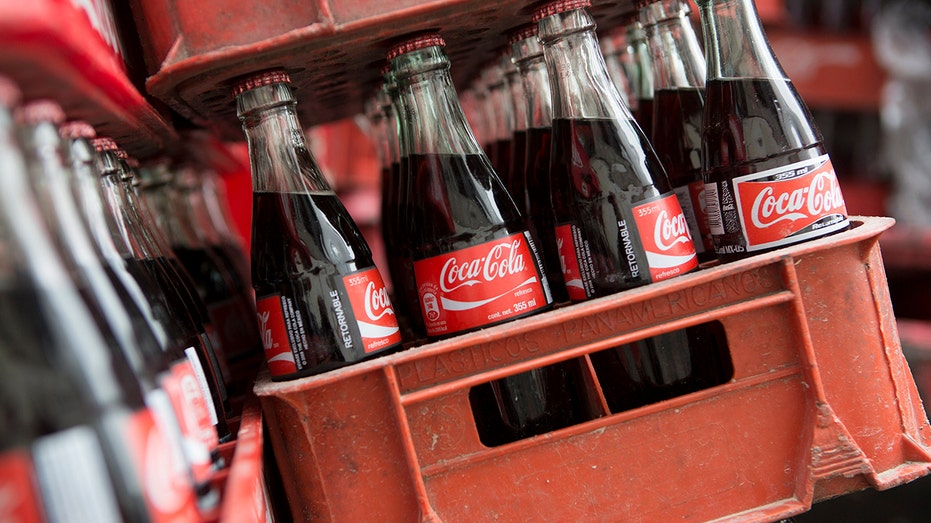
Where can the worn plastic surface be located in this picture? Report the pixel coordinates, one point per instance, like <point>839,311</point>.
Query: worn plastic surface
<point>822,403</point>
<point>244,498</point>
<point>332,49</point>
<point>52,50</point>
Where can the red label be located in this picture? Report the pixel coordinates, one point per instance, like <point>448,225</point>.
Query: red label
<point>275,339</point>
<point>664,233</point>
<point>478,285</point>
<point>19,500</point>
<point>695,207</point>
<point>166,484</point>
<point>568,259</point>
<point>374,314</point>
<point>790,203</point>
<point>192,412</point>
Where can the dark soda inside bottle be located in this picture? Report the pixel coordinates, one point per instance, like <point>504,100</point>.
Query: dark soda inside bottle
<point>744,134</point>
<point>514,182</point>
<point>317,266</point>
<point>677,141</point>
<point>538,206</point>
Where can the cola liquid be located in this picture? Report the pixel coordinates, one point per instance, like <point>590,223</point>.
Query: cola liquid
<point>677,141</point>
<point>787,190</point>
<point>501,159</point>
<point>538,207</point>
<point>644,115</point>
<point>514,182</point>
<point>321,272</point>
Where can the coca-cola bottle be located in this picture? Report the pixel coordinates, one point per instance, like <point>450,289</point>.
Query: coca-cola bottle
<point>474,260</point>
<point>618,223</point>
<point>86,445</point>
<point>321,301</point>
<point>536,201</point>
<point>619,58</point>
<point>190,351</point>
<point>643,88</point>
<point>501,108</point>
<point>769,180</point>
<point>678,101</point>
<point>167,372</point>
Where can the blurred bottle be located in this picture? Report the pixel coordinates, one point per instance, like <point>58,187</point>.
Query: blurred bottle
<point>501,107</point>
<point>619,58</point>
<point>321,301</point>
<point>679,92</point>
<point>79,442</point>
<point>515,181</point>
<point>643,79</point>
<point>189,348</point>
<point>769,179</point>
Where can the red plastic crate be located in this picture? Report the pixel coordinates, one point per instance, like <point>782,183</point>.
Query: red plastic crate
<point>822,403</point>
<point>51,49</point>
<point>333,50</point>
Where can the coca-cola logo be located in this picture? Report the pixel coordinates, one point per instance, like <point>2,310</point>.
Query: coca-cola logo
<point>166,489</point>
<point>377,303</point>
<point>821,196</point>
<point>671,231</point>
<point>504,259</point>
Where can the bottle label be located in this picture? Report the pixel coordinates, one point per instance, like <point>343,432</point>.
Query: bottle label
<point>573,255</point>
<point>166,485</point>
<point>789,204</point>
<point>73,477</point>
<point>282,334</point>
<point>199,433</point>
<point>667,241</point>
<point>479,285</point>
<point>19,500</point>
<point>374,314</point>
<point>692,200</point>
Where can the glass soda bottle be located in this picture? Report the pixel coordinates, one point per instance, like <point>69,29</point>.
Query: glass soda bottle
<point>474,260</point>
<point>769,179</point>
<point>536,200</point>
<point>619,58</point>
<point>86,439</point>
<point>166,370</point>
<point>643,88</point>
<point>678,101</point>
<point>501,108</point>
<point>321,301</point>
<point>618,222</point>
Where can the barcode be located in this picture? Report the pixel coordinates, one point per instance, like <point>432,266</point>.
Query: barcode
<point>713,208</point>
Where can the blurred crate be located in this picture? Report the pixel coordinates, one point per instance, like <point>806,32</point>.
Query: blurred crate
<point>332,49</point>
<point>822,403</point>
<point>51,49</point>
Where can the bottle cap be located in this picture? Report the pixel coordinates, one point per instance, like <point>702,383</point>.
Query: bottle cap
<point>40,111</point>
<point>9,92</point>
<point>77,129</point>
<point>522,32</point>
<point>415,43</point>
<point>108,145</point>
<point>558,6</point>
<point>272,76</point>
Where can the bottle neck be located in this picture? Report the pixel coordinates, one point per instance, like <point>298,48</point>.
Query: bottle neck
<point>643,62</point>
<point>538,96</point>
<point>278,153</point>
<point>435,119</point>
<point>578,75</point>
<point>521,119</point>
<point>676,54</point>
<point>735,44</point>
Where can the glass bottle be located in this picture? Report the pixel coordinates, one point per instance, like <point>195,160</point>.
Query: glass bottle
<point>679,93</point>
<point>189,349</point>
<point>165,370</point>
<point>514,182</point>
<point>769,179</point>
<point>618,221</point>
<point>92,435</point>
<point>322,304</point>
<point>501,109</point>
<point>475,262</point>
<point>619,58</point>
<point>643,79</point>
<point>536,201</point>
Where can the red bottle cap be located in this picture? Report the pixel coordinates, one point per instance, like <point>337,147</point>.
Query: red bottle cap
<point>40,111</point>
<point>558,6</point>
<point>77,129</point>
<point>272,76</point>
<point>9,92</point>
<point>107,144</point>
<point>417,42</point>
<point>522,33</point>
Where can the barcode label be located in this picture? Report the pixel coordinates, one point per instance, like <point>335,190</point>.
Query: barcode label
<point>713,208</point>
